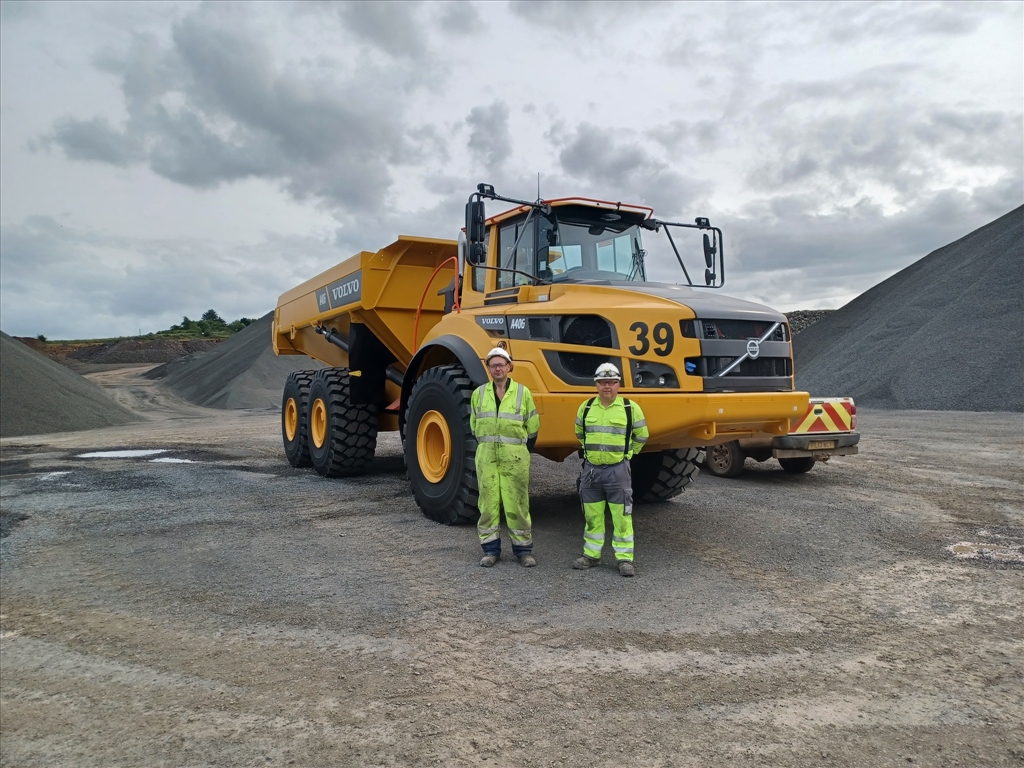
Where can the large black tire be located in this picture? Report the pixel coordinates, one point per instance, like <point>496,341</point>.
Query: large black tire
<point>662,475</point>
<point>724,459</point>
<point>295,418</point>
<point>797,466</point>
<point>342,436</point>
<point>440,447</point>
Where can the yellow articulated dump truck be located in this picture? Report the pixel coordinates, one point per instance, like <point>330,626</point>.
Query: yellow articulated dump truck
<point>562,286</point>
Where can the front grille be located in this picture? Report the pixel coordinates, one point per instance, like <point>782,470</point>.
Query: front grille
<point>762,367</point>
<point>733,329</point>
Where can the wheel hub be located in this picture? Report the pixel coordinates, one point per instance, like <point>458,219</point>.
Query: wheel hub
<point>291,419</point>
<point>719,456</point>
<point>318,423</point>
<point>433,446</point>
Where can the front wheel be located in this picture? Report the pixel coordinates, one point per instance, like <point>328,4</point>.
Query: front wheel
<point>725,459</point>
<point>440,447</point>
<point>797,466</point>
<point>662,475</point>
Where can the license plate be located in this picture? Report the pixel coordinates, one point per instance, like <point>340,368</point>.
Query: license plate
<point>819,445</point>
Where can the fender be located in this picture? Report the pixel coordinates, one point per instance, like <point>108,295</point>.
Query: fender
<point>458,348</point>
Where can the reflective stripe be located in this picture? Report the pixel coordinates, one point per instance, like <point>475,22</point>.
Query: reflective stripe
<point>623,539</point>
<point>640,440</point>
<point>603,447</point>
<point>531,414</point>
<point>606,430</point>
<point>508,440</point>
<point>598,537</point>
<point>641,423</point>
<point>622,550</point>
<point>486,414</point>
<point>579,422</point>
<point>519,399</point>
<point>521,532</point>
<point>488,531</point>
<point>510,416</point>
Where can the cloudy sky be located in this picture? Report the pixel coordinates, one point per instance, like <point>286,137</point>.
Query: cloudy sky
<point>160,159</point>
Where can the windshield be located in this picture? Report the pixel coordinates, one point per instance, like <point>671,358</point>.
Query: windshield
<point>578,250</point>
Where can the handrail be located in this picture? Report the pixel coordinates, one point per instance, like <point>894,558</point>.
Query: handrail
<point>419,307</point>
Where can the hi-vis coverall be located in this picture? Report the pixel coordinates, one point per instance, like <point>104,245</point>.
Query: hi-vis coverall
<point>606,474</point>
<point>503,464</point>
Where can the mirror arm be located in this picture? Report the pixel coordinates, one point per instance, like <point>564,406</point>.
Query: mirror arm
<point>678,257</point>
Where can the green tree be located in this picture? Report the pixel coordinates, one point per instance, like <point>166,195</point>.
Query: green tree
<point>211,316</point>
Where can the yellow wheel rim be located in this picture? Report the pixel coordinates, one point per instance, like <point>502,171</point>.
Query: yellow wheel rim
<point>291,419</point>
<point>318,423</point>
<point>433,446</point>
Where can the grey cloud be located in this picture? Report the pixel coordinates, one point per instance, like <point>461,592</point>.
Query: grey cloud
<point>851,22</point>
<point>12,11</point>
<point>616,168</point>
<point>392,27</point>
<point>93,140</point>
<point>462,18</point>
<point>212,108</point>
<point>680,136</point>
<point>490,141</point>
<point>561,16</point>
<point>122,283</point>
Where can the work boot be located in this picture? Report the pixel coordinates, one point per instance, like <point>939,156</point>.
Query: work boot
<point>626,568</point>
<point>528,561</point>
<point>582,563</point>
<point>488,561</point>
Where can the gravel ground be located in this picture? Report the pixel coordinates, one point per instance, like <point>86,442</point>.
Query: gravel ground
<point>233,611</point>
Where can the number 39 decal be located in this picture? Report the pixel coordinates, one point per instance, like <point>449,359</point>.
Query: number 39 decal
<point>663,339</point>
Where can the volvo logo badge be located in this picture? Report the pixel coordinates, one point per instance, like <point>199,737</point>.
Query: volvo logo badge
<point>753,348</point>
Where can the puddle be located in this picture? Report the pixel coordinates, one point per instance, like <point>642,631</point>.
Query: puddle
<point>989,553</point>
<point>120,454</point>
<point>169,460</point>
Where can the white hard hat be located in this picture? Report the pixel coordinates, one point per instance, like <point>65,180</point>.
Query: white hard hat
<point>607,371</point>
<point>497,352</point>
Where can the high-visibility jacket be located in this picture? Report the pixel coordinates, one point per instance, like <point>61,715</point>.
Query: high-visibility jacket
<point>513,422</point>
<point>604,437</point>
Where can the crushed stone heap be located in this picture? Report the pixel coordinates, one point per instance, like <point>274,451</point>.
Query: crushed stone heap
<point>39,396</point>
<point>944,334</point>
<point>242,372</point>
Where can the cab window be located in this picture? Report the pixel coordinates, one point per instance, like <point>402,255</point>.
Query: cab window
<point>511,256</point>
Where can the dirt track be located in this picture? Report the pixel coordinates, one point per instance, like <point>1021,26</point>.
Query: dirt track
<point>235,611</point>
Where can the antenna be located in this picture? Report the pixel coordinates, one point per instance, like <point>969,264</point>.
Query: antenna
<point>538,185</point>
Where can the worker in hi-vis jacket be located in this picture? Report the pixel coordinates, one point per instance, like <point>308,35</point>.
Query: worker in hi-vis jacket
<point>505,423</point>
<point>611,429</point>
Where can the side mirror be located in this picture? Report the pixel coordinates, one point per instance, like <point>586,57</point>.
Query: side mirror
<point>476,231</point>
<point>709,253</point>
<point>709,277</point>
<point>475,218</point>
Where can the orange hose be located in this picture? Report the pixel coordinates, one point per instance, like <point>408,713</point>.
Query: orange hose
<point>419,307</point>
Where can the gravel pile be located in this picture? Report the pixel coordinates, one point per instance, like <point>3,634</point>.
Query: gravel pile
<point>241,372</point>
<point>946,333</point>
<point>39,396</point>
<point>802,319</point>
<point>138,350</point>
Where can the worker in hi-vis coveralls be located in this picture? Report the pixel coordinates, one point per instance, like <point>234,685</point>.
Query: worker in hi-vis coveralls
<point>505,423</point>
<point>611,429</point>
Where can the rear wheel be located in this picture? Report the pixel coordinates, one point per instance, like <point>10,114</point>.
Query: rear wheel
<point>294,407</point>
<point>439,445</point>
<point>725,459</point>
<point>342,436</point>
<point>797,466</point>
<point>661,475</point>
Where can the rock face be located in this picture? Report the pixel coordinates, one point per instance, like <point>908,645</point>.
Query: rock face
<point>39,396</point>
<point>242,372</point>
<point>946,333</point>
